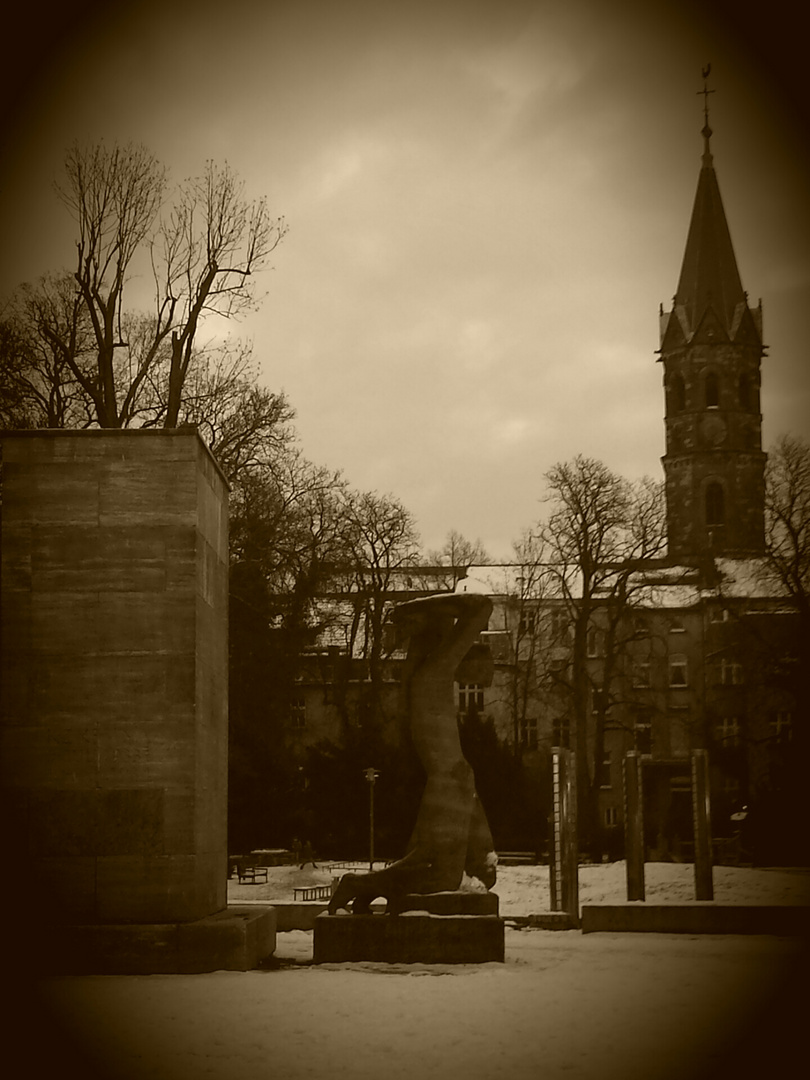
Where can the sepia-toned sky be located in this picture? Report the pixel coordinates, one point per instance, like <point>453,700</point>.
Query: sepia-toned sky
<point>487,202</point>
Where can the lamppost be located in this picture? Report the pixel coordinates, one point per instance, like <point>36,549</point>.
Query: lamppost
<point>371,775</point>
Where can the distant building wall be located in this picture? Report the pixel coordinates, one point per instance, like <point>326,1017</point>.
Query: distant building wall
<point>114,672</point>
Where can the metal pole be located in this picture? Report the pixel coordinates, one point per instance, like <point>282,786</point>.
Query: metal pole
<point>371,775</point>
<point>371,826</point>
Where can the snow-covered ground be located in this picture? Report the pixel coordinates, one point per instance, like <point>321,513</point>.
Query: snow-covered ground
<point>524,890</point>
<point>564,1005</point>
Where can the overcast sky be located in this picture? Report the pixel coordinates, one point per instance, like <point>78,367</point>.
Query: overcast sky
<point>487,202</point>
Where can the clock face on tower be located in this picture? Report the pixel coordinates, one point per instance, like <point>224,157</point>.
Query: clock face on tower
<point>713,430</point>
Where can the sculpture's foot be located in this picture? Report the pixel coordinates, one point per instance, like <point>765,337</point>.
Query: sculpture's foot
<point>411,874</point>
<point>355,893</point>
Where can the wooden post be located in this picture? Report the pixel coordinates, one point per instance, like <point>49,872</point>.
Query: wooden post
<point>701,816</point>
<point>565,846</point>
<point>634,825</point>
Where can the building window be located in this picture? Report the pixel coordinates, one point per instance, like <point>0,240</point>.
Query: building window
<point>728,731</point>
<point>676,626</point>
<point>641,675</point>
<point>600,701</point>
<point>560,629</point>
<point>715,505</point>
<point>719,615</point>
<point>711,388</point>
<point>730,672</point>
<point>593,642</point>
<point>678,670</point>
<point>744,391</point>
<point>528,620</point>
<point>642,732</point>
<point>677,394</point>
<point>528,732</point>
<point>560,731</point>
<point>781,724</point>
<point>611,815</point>
<point>470,697</point>
<point>298,713</point>
<point>604,772</point>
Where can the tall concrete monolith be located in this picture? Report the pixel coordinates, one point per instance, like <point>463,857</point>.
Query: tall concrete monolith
<point>114,697</point>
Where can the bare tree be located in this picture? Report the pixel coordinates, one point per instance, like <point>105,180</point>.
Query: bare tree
<point>787,519</point>
<point>459,554</point>
<point>524,611</point>
<point>247,426</point>
<point>600,530</point>
<point>44,335</point>
<point>202,253</point>
<point>787,540</point>
<point>383,542</point>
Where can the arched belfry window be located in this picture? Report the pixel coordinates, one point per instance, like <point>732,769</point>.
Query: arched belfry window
<point>711,389</point>
<point>677,394</point>
<point>744,392</point>
<point>715,504</point>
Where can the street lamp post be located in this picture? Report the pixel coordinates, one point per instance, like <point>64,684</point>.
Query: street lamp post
<point>371,775</point>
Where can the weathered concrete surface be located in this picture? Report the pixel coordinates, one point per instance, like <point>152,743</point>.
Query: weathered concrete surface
<point>696,918</point>
<point>452,902</point>
<point>302,915</point>
<point>114,674</point>
<point>545,920</point>
<point>408,939</point>
<point>235,939</point>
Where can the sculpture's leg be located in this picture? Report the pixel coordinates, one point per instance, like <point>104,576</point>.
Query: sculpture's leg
<point>443,825</point>
<point>481,861</point>
<point>360,890</point>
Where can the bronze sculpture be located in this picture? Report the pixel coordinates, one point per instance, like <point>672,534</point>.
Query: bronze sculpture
<point>451,837</point>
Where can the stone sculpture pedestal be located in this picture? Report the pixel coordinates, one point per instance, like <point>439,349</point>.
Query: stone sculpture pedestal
<point>234,939</point>
<point>437,928</point>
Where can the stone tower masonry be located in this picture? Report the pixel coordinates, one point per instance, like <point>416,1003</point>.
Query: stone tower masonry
<point>711,350</point>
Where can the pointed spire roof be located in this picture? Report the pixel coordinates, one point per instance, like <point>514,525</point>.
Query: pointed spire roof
<point>709,275</point>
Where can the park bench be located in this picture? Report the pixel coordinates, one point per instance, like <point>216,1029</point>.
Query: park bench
<point>313,892</point>
<point>254,874</point>
<point>517,858</point>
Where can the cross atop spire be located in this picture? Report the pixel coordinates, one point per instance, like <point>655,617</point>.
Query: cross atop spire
<point>709,274</point>
<point>706,131</point>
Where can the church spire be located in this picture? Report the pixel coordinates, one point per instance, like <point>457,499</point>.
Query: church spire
<point>711,350</point>
<point>709,275</point>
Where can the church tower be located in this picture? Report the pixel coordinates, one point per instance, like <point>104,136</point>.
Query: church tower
<point>711,350</point>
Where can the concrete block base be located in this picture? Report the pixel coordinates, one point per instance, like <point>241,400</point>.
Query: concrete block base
<point>451,903</point>
<point>545,920</point>
<point>304,915</point>
<point>696,918</point>
<point>408,939</point>
<point>234,939</point>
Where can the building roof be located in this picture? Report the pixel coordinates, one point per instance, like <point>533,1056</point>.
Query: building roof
<point>710,280</point>
<point>659,585</point>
